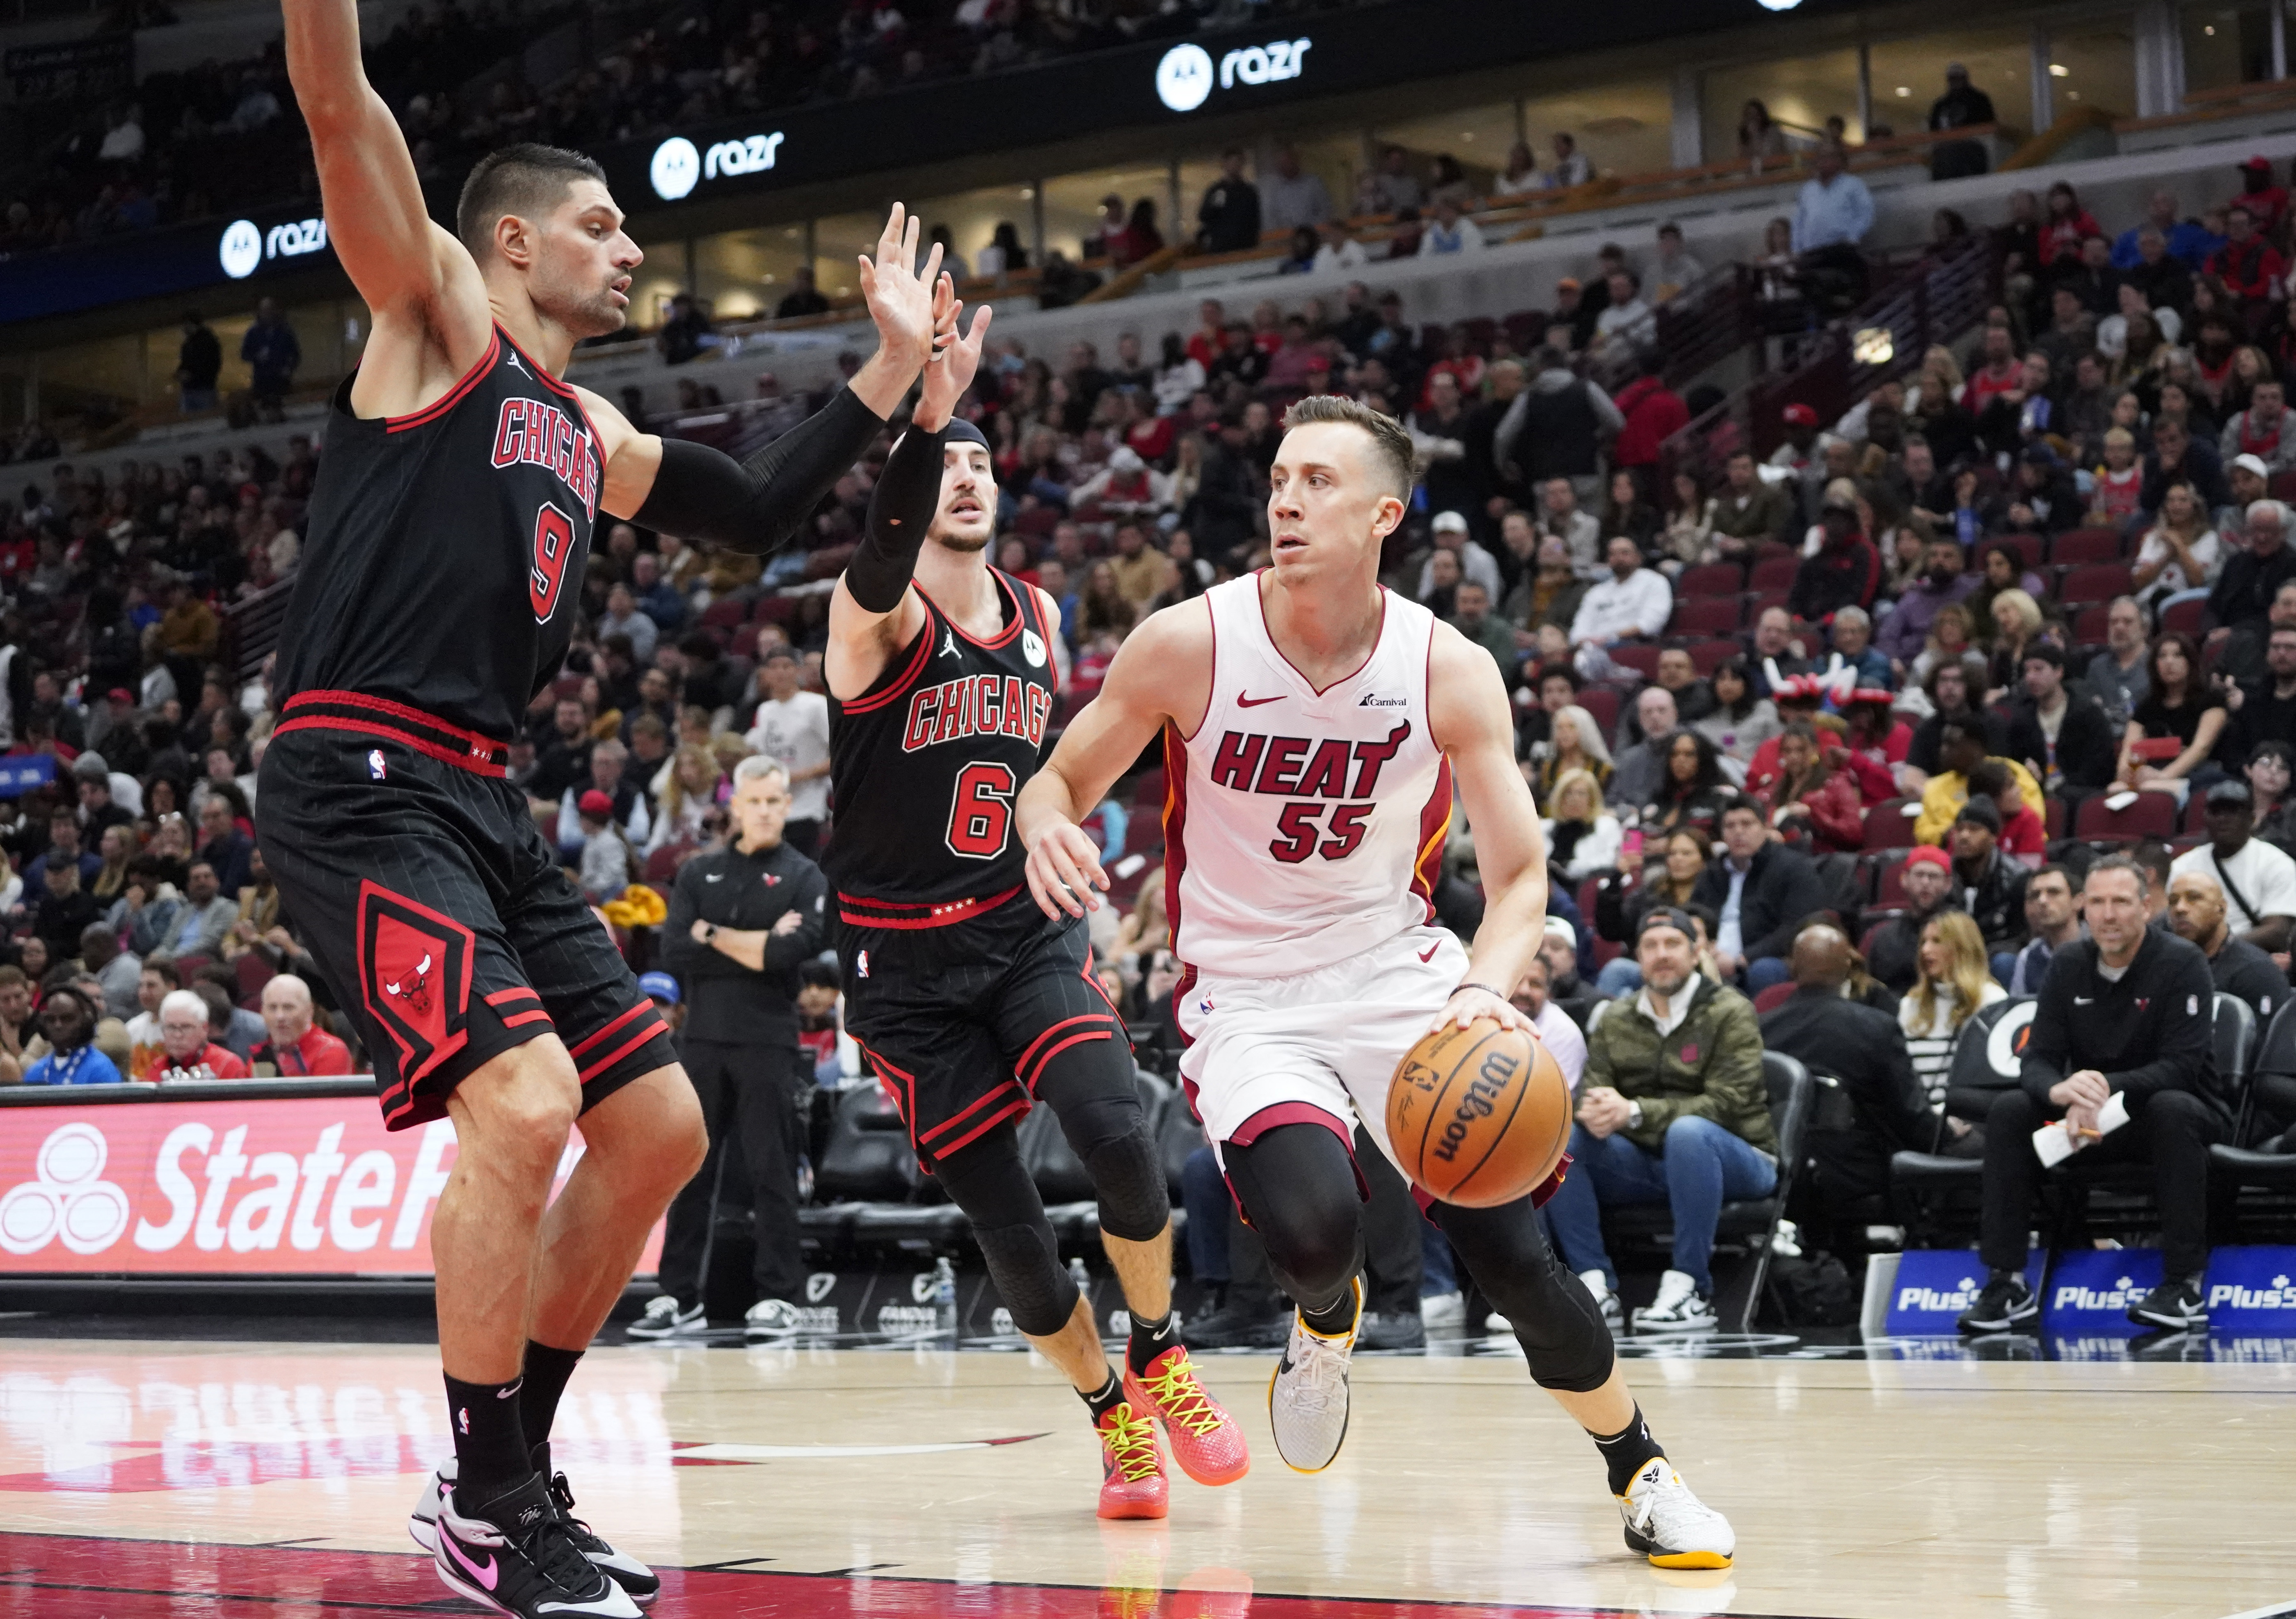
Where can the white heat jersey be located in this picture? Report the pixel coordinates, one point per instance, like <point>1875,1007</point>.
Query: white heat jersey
<point>1302,827</point>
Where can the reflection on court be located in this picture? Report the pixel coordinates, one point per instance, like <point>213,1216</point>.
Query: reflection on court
<point>804,1480</point>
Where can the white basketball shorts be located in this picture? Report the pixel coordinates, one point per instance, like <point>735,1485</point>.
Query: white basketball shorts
<point>1317,1047</point>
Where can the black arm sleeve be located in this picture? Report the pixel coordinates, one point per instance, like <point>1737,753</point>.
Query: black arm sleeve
<point>758,505</point>
<point>900,510</point>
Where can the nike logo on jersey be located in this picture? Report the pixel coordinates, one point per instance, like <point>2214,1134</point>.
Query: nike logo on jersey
<point>1243,701</point>
<point>1429,953</point>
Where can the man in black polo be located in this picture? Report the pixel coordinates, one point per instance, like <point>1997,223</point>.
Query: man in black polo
<point>2120,1051</point>
<point>742,919</point>
<point>1863,1048</point>
<point>2196,911</point>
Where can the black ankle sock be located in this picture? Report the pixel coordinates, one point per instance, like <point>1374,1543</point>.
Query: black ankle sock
<point>1625,1451</point>
<point>489,1440</point>
<point>547,1372</point>
<point>1104,1399</point>
<point>1149,1339</point>
<point>1335,1319</point>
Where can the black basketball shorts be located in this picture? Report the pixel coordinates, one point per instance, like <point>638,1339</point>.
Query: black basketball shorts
<point>440,919</point>
<point>960,1028</point>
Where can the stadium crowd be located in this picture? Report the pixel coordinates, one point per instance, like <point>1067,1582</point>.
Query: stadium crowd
<point>1859,722</point>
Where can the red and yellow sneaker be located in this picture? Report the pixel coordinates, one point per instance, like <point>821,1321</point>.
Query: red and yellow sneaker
<point>1132,1482</point>
<point>1206,1440</point>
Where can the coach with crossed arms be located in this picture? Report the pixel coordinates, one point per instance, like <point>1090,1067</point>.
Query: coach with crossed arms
<point>2120,1051</point>
<point>742,919</point>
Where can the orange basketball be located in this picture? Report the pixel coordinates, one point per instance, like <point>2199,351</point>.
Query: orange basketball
<point>1480,1116</point>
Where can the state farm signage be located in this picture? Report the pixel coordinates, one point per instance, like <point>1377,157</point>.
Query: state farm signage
<point>219,1186</point>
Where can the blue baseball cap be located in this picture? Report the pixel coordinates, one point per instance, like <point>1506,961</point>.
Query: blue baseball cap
<point>662,986</point>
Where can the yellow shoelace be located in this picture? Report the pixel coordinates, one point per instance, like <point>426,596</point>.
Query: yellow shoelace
<point>1130,1441</point>
<point>1183,1400</point>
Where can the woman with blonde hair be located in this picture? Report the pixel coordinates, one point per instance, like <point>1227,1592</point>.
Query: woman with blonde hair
<point>2017,624</point>
<point>687,797</point>
<point>119,845</point>
<point>1145,929</point>
<point>1581,836</point>
<point>1574,742</point>
<point>1953,981</point>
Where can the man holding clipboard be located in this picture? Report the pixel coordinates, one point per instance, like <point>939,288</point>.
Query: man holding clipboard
<point>2119,1064</point>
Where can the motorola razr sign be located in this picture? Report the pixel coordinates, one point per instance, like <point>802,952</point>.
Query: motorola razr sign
<point>247,247</point>
<point>1186,76</point>
<point>679,165</point>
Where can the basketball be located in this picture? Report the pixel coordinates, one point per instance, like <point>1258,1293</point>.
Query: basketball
<point>1479,1115</point>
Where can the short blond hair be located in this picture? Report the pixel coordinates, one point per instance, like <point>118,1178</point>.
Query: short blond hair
<point>1391,442</point>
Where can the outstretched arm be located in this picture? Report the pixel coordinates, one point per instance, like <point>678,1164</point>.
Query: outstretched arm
<point>758,505</point>
<point>1468,711</point>
<point>1162,673</point>
<point>407,269</point>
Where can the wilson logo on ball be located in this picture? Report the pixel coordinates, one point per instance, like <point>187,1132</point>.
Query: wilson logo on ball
<point>1481,1101</point>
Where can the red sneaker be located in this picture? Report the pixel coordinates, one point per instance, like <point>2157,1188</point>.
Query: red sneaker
<point>1206,1440</point>
<point>1132,1482</point>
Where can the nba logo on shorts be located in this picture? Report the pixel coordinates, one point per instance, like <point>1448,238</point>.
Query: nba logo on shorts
<point>374,765</point>
<point>861,964</point>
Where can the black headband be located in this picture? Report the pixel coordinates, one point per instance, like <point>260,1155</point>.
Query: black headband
<point>961,432</point>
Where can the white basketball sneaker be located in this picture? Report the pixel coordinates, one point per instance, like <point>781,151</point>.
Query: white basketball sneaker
<point>1308,1396</point>
<point>1670,1525</point>
<point>771,1318</point>
<point>665,1317</point>
<point>1678,1310</point>
<point>1605,1300</point>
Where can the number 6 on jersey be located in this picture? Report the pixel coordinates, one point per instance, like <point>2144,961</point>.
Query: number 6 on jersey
<point>982,812</point>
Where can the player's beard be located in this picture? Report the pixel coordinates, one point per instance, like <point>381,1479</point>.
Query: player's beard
<point>963,541</point>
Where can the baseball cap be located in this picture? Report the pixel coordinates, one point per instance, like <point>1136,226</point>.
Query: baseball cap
<point>1568,284</point>
<point>2232,794</point>
<point>1928,854</point>
<point>2252,463</point>
<point>1559,927</point>
<point>662,986</point>
<point>595,803</point>
<point>1799,415</point>
<point>2254,164</point>
<point>1667,915</point>
<point>121,694</point>
<point>1450,522</point>
<point>1982,811</point>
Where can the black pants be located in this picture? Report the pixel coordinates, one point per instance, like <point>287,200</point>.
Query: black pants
<point>749,1098</point>
<point>2172,1130</point>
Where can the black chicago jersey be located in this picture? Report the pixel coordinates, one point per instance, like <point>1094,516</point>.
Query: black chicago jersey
<point>437,593</point>
<point>963,996</point>
<point>926,764</point>
<point>443,564</point>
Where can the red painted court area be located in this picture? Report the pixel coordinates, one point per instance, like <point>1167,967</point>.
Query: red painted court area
<point>80,1577</point>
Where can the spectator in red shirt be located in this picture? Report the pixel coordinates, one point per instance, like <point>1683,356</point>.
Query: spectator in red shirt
<point>2266,203</point>
<point>296,1045</point>
<point>2002,371</point>
<point>1209,340</point>
<point>1654,413</point>
<point>2246,262</point>
<point>189,1051</point>
<point>2067,226</point>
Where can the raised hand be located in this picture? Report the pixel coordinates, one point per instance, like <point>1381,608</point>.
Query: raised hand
<point>901,300</point>
<point>956,359</point>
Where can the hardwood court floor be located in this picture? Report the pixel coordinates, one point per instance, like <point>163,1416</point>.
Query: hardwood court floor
<point>145,1481</point>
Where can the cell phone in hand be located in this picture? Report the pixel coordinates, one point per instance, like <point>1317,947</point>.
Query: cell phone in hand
<point>1632,844</point>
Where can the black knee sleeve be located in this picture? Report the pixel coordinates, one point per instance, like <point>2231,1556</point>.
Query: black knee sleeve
<point>1097,1102</point>
<point>1556,1319</point>
<point>1296,1184</point>
<point>1135,1203</point>
<point>1024,1261</point>
<point>987,1181</point>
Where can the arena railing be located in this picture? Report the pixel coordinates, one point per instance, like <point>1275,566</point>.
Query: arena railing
<point>1945,295</point>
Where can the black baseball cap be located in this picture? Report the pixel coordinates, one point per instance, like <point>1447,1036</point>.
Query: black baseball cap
<point>2230,794</point>
<point>1982,810</point>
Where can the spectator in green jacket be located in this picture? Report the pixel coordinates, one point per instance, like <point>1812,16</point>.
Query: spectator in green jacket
<point>1672,1109</point>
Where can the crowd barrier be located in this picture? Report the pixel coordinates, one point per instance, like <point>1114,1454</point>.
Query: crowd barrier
<point>2086,1292</point>
<point>227,1182</point>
